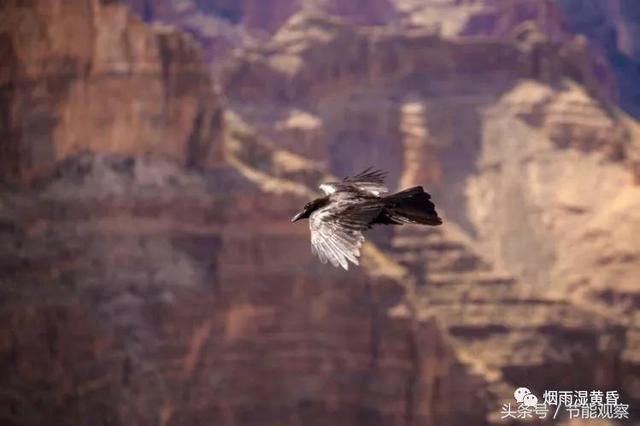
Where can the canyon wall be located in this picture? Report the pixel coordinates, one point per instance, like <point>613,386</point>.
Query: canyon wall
<point>221,26</point>
<point>148,270</point>
<point>116,309</point>
<point>137,290</point>
<point>512,137</point>
<point>70,70</point>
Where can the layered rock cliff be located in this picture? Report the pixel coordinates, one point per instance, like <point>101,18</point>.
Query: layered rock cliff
<point>611,27</point>
<point>70,72</point>
<point>519,150</point>
<point>135,291</point>
<point>139,290</point>
<point>118,310</point>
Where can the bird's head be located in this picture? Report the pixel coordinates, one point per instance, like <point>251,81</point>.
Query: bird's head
<point>309,208</point>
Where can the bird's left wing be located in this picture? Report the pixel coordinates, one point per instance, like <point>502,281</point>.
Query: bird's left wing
<point>369,180</point>
<point>336,230</point>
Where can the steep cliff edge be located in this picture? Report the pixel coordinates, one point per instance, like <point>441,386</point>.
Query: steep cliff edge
<point>70,70</point>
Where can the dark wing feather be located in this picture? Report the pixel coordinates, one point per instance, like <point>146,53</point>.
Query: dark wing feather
<point>336,230</point>
<point>370,180</point>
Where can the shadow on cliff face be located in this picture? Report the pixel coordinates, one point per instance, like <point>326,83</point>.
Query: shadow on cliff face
<point>459,161</point>
<point>613,30</point>
<point>28,112</point>
<point>7,95</point>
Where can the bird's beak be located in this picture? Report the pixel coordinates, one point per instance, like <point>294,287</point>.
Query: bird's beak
<point>297,217</point>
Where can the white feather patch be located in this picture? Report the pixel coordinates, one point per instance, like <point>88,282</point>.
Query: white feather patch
<point>327,188</point>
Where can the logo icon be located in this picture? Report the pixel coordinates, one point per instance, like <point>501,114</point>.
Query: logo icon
<point>525,397</point>
<point>530,400</point>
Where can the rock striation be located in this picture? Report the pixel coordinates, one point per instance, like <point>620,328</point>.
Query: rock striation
<point>518,147</point>
<point>117,309</point>
<point>70,70</point>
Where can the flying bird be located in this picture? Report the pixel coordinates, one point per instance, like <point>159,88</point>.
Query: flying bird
<point>337,220</point>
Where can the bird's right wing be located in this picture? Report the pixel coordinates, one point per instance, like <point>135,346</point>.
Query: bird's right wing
<point>370,180</point>
<point>336,230</point>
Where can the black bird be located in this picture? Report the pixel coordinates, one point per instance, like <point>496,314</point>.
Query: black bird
<point>354,205</point>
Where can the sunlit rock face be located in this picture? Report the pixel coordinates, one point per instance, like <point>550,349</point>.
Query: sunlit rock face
<point>70,71</point>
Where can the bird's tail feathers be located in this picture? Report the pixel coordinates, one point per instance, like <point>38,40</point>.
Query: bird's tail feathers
<point>412,205</point>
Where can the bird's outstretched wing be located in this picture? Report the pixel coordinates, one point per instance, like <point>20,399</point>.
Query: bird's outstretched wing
<point>370,180</point>
<point>336,230</point>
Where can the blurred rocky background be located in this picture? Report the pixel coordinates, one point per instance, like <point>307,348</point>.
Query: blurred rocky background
<point>153,151</point>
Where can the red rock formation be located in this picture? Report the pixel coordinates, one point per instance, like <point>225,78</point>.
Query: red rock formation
<point>71,70</point>
<point>137,316</point>
<point>221,25</point>
<point>359,82</point>
<point>507,135</point>
<point>137,291</point>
